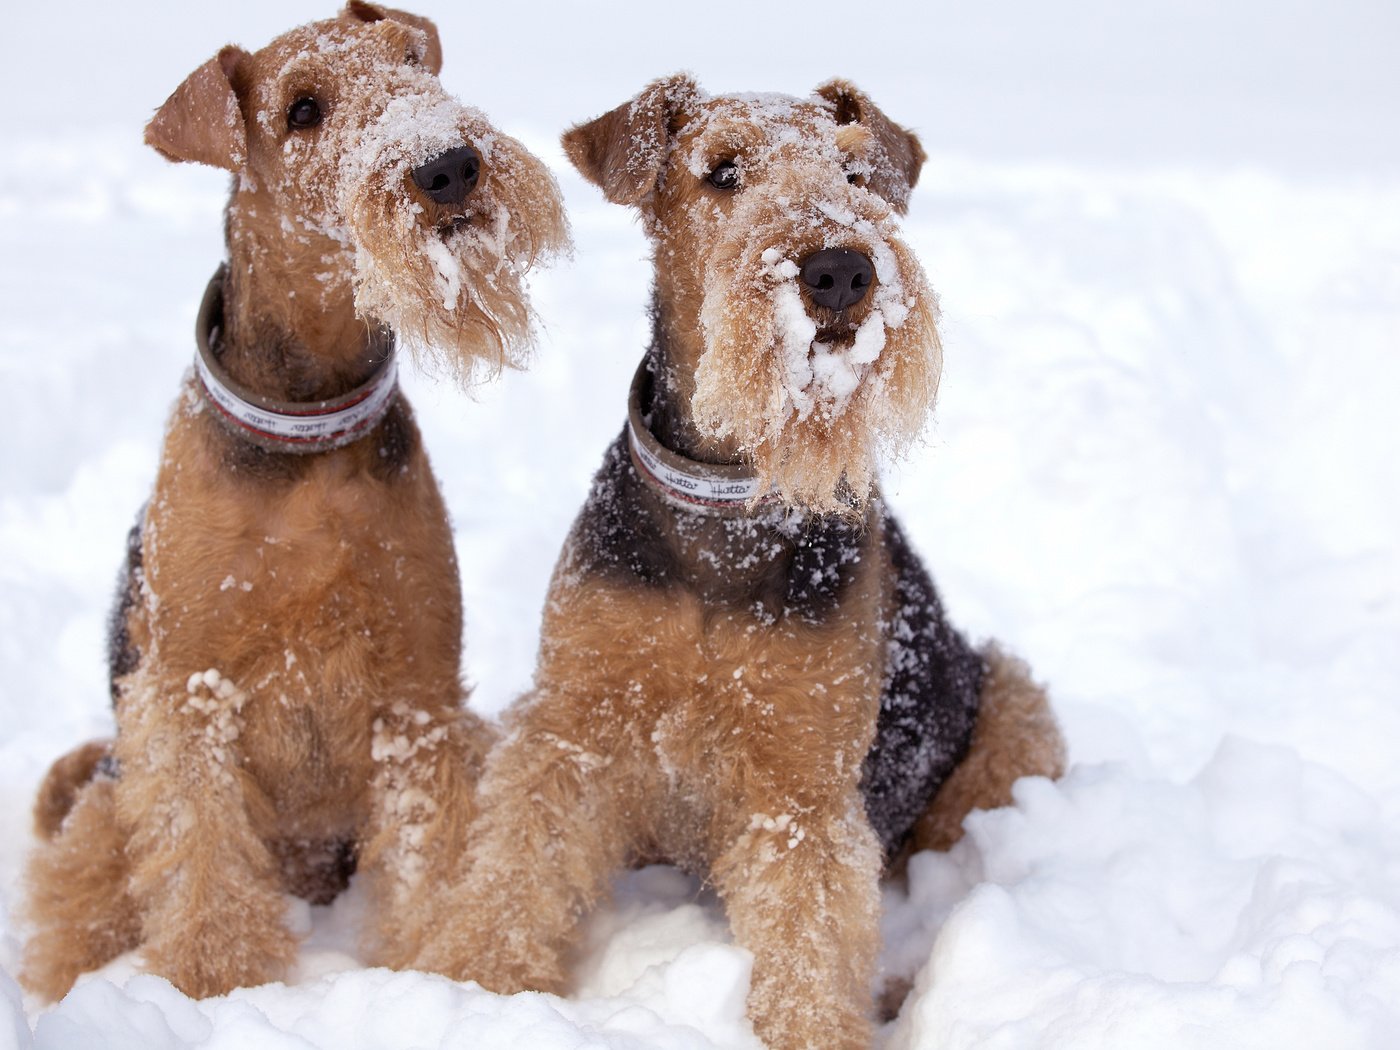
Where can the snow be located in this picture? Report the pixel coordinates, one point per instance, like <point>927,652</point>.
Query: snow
<point>375,1008</point>
<point>1251,906</point>
<point>1163,470</point>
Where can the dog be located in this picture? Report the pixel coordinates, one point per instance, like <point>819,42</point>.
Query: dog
<point>744,668</point>
<point>285,651</point>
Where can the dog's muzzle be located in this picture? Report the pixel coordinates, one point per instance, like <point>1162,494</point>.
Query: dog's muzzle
<point>450,176</point>
<point>837,277</point>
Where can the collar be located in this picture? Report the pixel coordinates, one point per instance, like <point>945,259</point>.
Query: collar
<point>298,427</point>
<point>713,488</point>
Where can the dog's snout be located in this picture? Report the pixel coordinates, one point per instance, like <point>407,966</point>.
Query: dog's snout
<point>450,176</point>
<point>837,277</point>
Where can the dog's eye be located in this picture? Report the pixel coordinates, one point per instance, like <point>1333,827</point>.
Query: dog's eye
<point>304,113</point>
<point>725,176</point>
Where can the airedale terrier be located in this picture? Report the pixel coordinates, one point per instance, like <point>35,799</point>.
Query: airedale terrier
<point>285,653</point>
<point>744,667</point>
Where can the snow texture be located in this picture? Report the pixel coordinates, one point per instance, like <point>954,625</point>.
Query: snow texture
<point>1163,470</point>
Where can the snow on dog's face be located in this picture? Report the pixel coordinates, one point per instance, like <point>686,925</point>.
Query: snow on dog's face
<point>757,205</point>
<point>354,162</point>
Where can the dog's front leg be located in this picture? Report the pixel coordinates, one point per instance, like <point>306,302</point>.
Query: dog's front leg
<point>800,883</point>
<point>552,829</point>
<point>207,886</point>
<point>427,761</point>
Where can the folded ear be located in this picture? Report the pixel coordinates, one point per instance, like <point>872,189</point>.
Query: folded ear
<point>202,121</point>
<point>895,155</point>
<point>622,152</point>
<point>432,47</point>
<point>432,50</point>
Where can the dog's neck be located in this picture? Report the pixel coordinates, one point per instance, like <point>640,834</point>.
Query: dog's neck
<point>298,427</point>
<point>766,557</point>
<point>290,331</point>
<point>729,490</point>
<point>673,357</point>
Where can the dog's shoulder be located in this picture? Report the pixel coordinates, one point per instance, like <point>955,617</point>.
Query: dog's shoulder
<point>800,565</point>
<point>614,535</point>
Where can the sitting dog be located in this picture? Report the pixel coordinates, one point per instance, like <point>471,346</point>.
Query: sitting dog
<point>285,652</point>
<point>744,668</point>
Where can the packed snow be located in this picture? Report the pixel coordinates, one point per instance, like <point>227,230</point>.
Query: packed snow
<point>1162,468</point>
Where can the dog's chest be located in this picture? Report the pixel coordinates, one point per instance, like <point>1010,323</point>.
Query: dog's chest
<point>257,571</point>
<point>308,749</point>
<point>324,602</point>
<point>313,690</point>
<point>772,564</point>
<point>705,695</point>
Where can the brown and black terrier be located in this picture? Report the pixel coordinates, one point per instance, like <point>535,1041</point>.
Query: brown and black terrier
<point>744,667</point>
<point>285,653</point>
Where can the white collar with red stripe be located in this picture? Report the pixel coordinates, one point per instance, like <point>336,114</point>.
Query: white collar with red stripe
<point>714,488</point>
<point>290,426</point>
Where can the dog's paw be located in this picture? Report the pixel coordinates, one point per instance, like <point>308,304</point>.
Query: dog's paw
<point>221,953</point>
<point>502,964</point>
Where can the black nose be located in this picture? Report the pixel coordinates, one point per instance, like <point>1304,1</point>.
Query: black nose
<point>837,277</point>
<point>450,176</point>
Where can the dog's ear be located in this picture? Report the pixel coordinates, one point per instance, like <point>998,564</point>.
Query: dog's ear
<point>623,151</point>
<point>431,58</point>
<point>432,46</point>
<point>202,121</point>
<point>358,11</point>
<point>896,157</point>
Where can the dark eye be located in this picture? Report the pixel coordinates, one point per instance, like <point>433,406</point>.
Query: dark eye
<point>303,113</point>
<point>725,176</point>
<point>852,177</point>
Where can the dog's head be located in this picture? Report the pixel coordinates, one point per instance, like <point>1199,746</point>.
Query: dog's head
<point>351,159</point>
<point>774,225</point>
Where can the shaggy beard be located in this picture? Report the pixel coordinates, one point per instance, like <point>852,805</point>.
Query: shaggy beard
<point>456,294</point>
<point>813,420</point>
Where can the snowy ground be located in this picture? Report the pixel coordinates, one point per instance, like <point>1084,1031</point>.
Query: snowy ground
<point>1163,468</point>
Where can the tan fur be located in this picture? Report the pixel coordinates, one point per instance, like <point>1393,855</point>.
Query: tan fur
<point>518,202</point>
<point>697,741</point>
<point>713,278</point>
<point>1016,736</point>
<point>360,230</point>
<point>76,893</point>
<point>818,456</point>
<point>896,155</point>
<point>59,791</point>
<point>695,700</point>
<point>346,726</point>
<point>297,704</point>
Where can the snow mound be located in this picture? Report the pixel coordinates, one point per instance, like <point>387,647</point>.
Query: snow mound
<point>1255,905</point>
<point>376,1009</point>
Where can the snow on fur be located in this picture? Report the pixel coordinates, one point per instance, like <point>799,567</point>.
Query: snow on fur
<point>472,274</point>
<point>1163,470</point>
<point>812,415</point>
